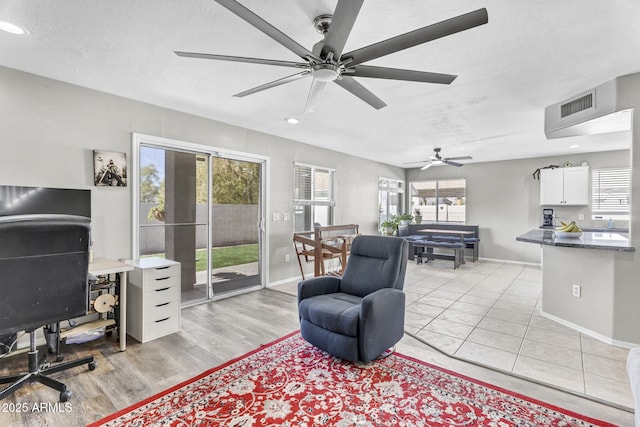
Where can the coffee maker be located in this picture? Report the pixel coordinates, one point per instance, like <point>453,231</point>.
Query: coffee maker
<point>547,217</point>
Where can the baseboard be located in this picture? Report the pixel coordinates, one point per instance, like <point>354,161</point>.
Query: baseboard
<point>283,281</point>
<point>589,332</point>
<point>510,261</point>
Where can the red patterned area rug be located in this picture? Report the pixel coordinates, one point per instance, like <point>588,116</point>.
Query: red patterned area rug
<point>291,383</point>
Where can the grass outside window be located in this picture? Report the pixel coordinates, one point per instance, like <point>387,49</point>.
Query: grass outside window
<point>223,256</point>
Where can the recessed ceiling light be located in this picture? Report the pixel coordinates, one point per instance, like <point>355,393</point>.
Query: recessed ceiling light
<point>292,120</point>
<point>12,28</point>
<point>574,146</point>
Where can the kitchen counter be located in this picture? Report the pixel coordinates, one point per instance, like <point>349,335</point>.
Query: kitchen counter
<point>609,240</point>
<point>585,280</point>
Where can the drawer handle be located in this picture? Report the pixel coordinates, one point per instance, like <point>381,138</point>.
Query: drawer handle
<point>163,304</point>
<point>162,289</point>
<point>163,278</point>
<point>163,268</point>
<point>162,320</point>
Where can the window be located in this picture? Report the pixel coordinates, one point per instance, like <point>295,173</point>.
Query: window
<point>610,193</point>
<point>314,190</point>
<point>390,198</point>
<point>442,200</point>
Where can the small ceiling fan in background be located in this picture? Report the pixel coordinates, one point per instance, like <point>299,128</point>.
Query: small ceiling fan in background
<point>438,160</point>
<point>326,62</point>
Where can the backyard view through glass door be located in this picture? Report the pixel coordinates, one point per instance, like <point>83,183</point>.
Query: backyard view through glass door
<point>203,212</point>
<point>235,229</point>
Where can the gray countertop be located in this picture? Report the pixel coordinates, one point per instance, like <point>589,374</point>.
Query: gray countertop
<point>609,240</point>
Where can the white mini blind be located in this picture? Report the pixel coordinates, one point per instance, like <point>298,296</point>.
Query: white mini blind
<point>610,190</point>
<point>314,185</point>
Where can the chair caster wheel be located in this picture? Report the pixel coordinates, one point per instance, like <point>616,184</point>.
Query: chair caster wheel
<point>65,395</point>
<point>92,365</point>
<point>59,358</point>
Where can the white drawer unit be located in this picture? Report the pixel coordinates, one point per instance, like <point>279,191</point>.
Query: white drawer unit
<point>153,298</point>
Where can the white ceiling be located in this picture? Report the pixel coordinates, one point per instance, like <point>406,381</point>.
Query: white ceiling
<point>531,54</point>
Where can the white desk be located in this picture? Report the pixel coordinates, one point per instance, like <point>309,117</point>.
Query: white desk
<point>103,266</point>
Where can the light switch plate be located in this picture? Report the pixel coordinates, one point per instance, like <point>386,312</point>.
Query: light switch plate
<point>276,216</point>
<point>285,216</point>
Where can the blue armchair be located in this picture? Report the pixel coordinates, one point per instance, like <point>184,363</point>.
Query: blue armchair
<point>358,316</point>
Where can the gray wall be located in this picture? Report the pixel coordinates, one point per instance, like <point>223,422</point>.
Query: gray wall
<point>504,199</point>
<point>49,129</point>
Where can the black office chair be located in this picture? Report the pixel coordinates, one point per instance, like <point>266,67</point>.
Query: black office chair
<point>44,262</point>
<point>360,315</point>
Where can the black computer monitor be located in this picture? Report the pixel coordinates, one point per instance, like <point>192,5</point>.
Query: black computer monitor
<point>19,200</point>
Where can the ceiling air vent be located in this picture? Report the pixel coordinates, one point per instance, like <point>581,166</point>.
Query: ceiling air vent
<point>576,105</point>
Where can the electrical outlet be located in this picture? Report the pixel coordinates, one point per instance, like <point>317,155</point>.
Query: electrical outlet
<point>576,290</point>
<point>287,258</point>
<point>285,216</point>
<point>276,216</point>
<point>580,217</point>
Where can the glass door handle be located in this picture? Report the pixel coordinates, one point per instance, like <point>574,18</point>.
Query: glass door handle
<point>261,225</point>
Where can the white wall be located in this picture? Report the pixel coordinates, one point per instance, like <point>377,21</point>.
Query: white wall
<point>504,199</point>
<point>48,130</point>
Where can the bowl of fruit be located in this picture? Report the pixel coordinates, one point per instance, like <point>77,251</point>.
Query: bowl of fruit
<point>568,231</point>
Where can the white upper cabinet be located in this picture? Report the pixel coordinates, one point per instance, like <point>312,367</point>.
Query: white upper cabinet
<point>564,186</point>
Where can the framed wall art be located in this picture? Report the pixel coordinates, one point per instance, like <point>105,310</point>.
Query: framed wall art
<point>109,168</point>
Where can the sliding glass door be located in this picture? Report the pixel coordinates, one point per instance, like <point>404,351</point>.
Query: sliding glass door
<point>235,224</point>
<point>204,210</point>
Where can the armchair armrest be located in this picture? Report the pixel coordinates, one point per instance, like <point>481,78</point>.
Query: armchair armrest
<point>318,286</point>
<point>381,321</point>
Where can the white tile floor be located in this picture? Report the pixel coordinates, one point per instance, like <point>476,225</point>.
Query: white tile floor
<point>489,313</point>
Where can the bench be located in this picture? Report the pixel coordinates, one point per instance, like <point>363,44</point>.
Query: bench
<point>423,249</point>
<point>411,234</point>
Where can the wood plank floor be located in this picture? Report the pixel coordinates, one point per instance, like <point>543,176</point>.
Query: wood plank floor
<point>211,334</point>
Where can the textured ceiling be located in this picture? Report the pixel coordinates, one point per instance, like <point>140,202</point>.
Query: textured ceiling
<point>529,55</point>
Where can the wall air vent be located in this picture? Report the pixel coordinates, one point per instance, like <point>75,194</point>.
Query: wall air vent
<point>589,112</point>
<point>580,104</point>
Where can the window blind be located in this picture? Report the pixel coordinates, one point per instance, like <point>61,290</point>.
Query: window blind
<point>314,185</point>
<point>610,190</point>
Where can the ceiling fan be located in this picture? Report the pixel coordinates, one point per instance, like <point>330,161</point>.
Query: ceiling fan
<point>438,160</point>
<point>326,62</point>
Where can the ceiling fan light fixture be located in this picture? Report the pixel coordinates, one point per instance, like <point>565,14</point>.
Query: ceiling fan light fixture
<point>326,72</point>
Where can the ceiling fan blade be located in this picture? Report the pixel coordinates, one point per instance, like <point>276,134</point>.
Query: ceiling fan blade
<point>274,83</point>
<point>419,36</point>
<point>427,166</point>
<point>341,24</point>
<point>450,163</point>
<point>315,93</point>
<point>459,158</point>
<point>241,59</point>
<point>360,91</point>
<point>413,163</point>
<point>399,74</point>
<point>266,28</point>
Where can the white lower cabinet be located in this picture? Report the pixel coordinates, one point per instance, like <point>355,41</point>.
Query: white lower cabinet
<point>153,299</point>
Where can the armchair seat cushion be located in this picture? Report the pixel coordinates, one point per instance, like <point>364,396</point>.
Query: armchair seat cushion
<point>338,312</point>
